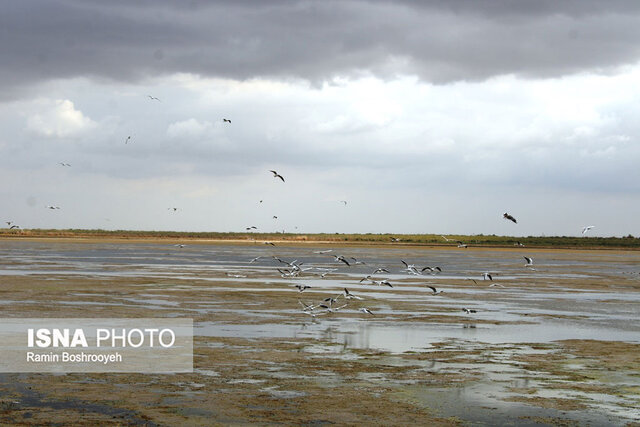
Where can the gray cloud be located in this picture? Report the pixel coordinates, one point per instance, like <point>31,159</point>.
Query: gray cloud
<point>440,41</point>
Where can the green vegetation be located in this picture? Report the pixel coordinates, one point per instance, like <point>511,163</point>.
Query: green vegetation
<point>628,242</point>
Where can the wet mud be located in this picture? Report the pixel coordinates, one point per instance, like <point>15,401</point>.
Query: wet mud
<point>554,345</point>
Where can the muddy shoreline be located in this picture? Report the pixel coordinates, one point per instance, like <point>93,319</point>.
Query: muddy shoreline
<point>259,359</point>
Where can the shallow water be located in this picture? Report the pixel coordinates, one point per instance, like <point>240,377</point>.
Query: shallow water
<point>588,313</point>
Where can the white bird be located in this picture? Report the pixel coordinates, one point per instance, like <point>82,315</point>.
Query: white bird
<point>307,307</point>
<point>469,310</point>
<point>180,245</point>
<point>276,175</point>
<point>446,240</point>
<point>302,288</point>
<point>383,282</point>
<point>343,201</point>
<point>340,258</point>
<point>366,311</point>
<point>529,261</point>
<point>255,259</point>
<point>410,268</point>
<point>53,207</point>
<point>323,252</point>
<point>462,245</point>
<point>349,295</point>
<point>65,164</point>
<point>435,291</point>
<point>154,98</point>
<point>587,228</point>
<point>486,276</point>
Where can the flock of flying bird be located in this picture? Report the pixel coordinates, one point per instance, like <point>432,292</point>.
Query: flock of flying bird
<point>296,269</point>
<point>333,304</point>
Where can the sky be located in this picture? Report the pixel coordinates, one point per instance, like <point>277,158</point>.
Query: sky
<point>424,116</point>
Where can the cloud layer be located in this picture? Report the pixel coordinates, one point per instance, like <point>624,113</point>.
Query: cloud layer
<point>439,41</point>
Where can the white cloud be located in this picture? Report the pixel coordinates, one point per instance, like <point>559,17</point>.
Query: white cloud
<point>59,119</point>
<point>190,128</point>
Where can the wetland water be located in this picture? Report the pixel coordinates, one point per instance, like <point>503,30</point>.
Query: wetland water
<point>556,343</point>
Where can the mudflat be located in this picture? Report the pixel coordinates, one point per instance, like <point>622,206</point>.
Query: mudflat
<point>556,343</point>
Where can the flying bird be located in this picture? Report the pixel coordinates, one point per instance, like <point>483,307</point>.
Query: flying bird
<point>226,121</point>
<point>343,201</point>
<point>340,258</point>
<point>253,227</point>
<point>469,310</point>
<point>65,164</point>
<point>462,244</point>
<point>529,261</point>
<point>153,97</point>
<point>126,141</point>
<point>277,175</point>
<point>509,217</point>
<point>435,291</point>
<point>365,311</point>
<point>587,228</point>
<point>53,207</point>
<point>302,288</point>
<point>486,276</point>
<point>383,282</point>
<point>349,295</point>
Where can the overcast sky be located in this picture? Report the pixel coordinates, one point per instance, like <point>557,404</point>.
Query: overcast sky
<point>424,116</point>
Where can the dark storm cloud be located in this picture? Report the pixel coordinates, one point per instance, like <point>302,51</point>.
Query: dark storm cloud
<point>440,41</point>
